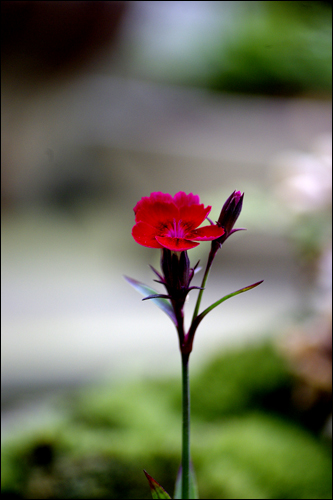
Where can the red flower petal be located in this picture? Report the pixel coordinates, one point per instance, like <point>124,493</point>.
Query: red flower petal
<point>182,199</point>
<point>157,214</point>
<point>193,216</point>
<point>144,234</point>
<point>176,244</point>
<point>206,233</point>
<point>171,222</point>
<point>147,201</point>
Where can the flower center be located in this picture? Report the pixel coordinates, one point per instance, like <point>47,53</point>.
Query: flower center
<point>176,230</point>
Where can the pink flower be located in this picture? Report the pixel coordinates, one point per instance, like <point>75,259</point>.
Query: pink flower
<point>163,221</point>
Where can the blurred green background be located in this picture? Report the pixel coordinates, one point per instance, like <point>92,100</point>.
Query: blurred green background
<point>103,103</point>
<point>250,439</point>
<point>266,48</point>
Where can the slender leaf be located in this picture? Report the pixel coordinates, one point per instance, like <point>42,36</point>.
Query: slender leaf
<point>193,484</point>
<point>157,296</point>
<point>163,304</point>
<point>157,491</point>
<point>226,297</point>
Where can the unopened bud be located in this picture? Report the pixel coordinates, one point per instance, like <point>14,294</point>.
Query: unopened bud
<point>229,215</point>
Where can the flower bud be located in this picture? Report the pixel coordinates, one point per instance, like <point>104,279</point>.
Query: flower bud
<point>177,276</point>
<point>229,215</point>
<point>175,267</point>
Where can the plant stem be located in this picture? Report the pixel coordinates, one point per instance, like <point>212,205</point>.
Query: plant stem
<point>211,256</point>
<point>186,427</point>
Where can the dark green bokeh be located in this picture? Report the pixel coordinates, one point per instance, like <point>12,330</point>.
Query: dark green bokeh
<point>267,48</point>
<point>248,440</point>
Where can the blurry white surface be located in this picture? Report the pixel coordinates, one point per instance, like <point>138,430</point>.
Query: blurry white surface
<point>154,133</point>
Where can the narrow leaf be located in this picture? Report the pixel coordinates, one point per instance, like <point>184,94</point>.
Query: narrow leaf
<point>193,484</point>
<point>157,491</point>
<point>226,297</point>
<point>157,296</point>
<point>163,304</point>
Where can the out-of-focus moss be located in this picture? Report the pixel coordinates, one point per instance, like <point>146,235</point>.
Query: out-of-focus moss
<point>244,442</point>
<point>276,48</point>
<point>239,380</point>
<point>261,456</point>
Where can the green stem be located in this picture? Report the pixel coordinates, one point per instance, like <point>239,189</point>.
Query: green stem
<point>186,427</point>
<point>211,256</point>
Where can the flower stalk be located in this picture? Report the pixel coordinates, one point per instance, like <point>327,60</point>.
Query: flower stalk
<point>185,426</point>
<point>203,283</point>
<point>228,217</point>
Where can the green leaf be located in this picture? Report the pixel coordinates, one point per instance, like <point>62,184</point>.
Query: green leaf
<point>163,304</point>
<point>201,316</point>
<point>156,489</point>
<point>193,484</point>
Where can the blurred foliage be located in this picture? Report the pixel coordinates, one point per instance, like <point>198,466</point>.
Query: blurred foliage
<point>259,381</point>
<point>274,48</point>
<point>280,48</point>
<point>248,440</point>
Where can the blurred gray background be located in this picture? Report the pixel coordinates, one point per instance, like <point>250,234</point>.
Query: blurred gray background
<point>133,97</point>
